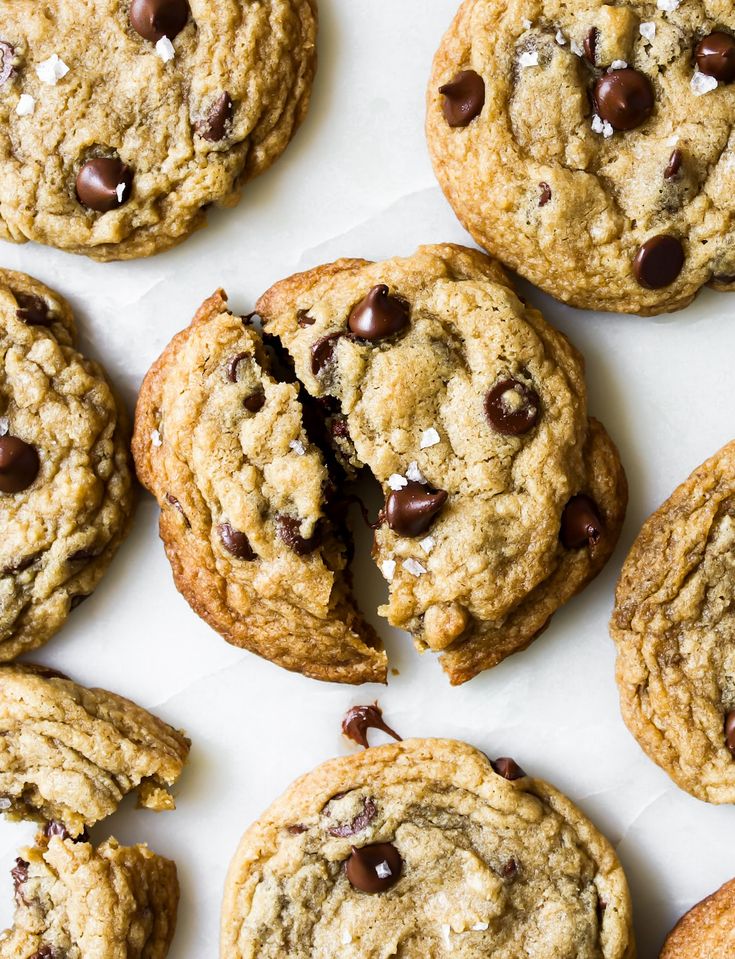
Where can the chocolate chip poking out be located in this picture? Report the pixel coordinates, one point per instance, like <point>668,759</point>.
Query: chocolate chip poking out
<point>322,352</point>
<point>464,98</point>
<point>730,731</point>
<point>378,315</point>
<point>104,184</point>
<point>233,365</point>
<point>659,261</point>
<point>581,524</point>
<point>715,56</point>
<point>213,126</point>
<point>361,820</point>
<point>374,868</point>
<point>410,511</point>
<point>255,402</point>
<point>19,874</point>
<point>590,46</point>
<point>674,165</point>
<point>31,309</point>
<point>6,61</point>
<point>19,464</point>
<point>288,529</point>
<point>511,407</point>
<point>359,719</point>
<point>235,542</point>
<point>507,768</point>
<point>545,193</point>
<point>154,19</point>
<point>624,98</point>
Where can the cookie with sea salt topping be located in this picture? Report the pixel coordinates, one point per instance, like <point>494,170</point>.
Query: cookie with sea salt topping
<point>502,498</point>
<point>66,490</point>
<point>121,122</point>
<point>424,848</point>
<point>569,139</point>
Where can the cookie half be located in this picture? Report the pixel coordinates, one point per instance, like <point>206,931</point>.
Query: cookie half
<point>248,515</point>
<point>123,121</point>
<point>70,754</point>
<point>74,900</point>
<point>707,931</point>
<point>568,138</point>
<point>66,490</point>
<point>502,499</point>
<point>674,628</point>
<point>423,848</point>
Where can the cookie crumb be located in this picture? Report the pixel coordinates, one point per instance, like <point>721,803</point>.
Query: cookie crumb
<point>413,567</point>
<point>430,437</point>
<point>26,105</point>
<point>52,70</point>
<point>165,49</point>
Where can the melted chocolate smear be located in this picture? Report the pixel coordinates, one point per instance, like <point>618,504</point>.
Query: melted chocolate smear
<point>360,822</point>
<point>359,719</point>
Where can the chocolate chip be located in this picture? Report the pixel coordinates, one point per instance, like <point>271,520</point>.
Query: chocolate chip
<point>19,464</point>
<point>590,46</point>
<point>98,181</point>
<point>507,768</point>
<point>255,402</point>
<point>322,352</point>
<point>83,555</point>
<point>509,869</point>
<point>233,364</point>
<point>19,874</point>
<point>46,952</point>
<point>464,98</point>
<point>154,19</point>
<point>235,542</point>
<point>581,524</point>
<point>374,868</point>
<point>728,278</point>
<point>213,126</point>
<point>77,600</point>
<point>658,261</point>
<point>715,56</point>
<point>56,828</point>
<point>177,506</point>
<point>288,529</point>
<point>378,315</point>
<point>545,193</point>
<point>303,318</point>
<point>296,829</point>
<point>624,98</point>
<point>361,820</point>
<point>7,54</point>
<point>730,731</point>
<point>32,309</point>
<point>359,719</point>
<point>410,511</point>
<point>674,165</point>
<point>511,407</point>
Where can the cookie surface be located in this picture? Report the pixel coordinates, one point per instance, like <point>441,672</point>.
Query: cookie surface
<point>66,492</point>
<point>70,754</point>
<point>245,502</point>
<point>115,147</point>
<point>569,140</point>
<point>502,499</point>
<point>707,931</point>
<point>674,628</point>
<point>417,849</point>
<point>75,901</point>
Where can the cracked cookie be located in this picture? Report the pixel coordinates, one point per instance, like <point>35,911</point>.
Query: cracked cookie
<point>570,140</point>
<point>674,627</point>
<point>73,901</point>
<point>707,931</point>
<point>69,755</point>
<point>115,147</point>
<point>424,848</point>
<point>502,499</point>
<point>248,515</point>
<point>66,491</point>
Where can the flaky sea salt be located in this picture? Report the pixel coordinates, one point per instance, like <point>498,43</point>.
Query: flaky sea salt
<point>560,38</point>
<point>396,481</point>
<point>668,6</point>
<point>576,48</point>
<point>120,190</point>
<point>701,83</point>
<point>298,447</point>
<point>427,544</point>
<point>414,474</point>
<point>526,23</point>
<point>25,105</point>
<point>156,438</point>
<point>648,31</point>
<point>413,567</point>
<point>388,569</point>
<point>618,65</point>
<point>447,935</point>
<point>346,937</point>
<point>52,70</point>
<point>602,126</point>
<point>165,49</point>
<point>480,926</point>
<point>429,438</point>
<point>383,870</point>
<point>4,425</point>
<point>528,58</point>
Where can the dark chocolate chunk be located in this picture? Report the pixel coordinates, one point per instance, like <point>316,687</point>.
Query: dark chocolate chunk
<point>507,768</point>
<point>374,868</point>
<point>288,529</point>
<point>235,542</point>
<point>410,511</point>
<point>659,261</point>
<point>464,98</point>
<point>214,125</point>
<point>19,464</point>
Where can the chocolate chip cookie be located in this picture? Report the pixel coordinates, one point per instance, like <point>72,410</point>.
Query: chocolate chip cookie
<point>674,627</point>
<point>66,492</point>
<point>569,138</point>
<point>707,931</point>
<point>70,754</point>
<point>249,517</point>
<point>75,901</point>
<point>502,499</point>
<point>123,121</point>
<point>424,848</point>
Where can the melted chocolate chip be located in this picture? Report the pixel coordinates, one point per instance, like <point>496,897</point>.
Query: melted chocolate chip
<point>19,874</point>
<point>322,352</point>
<point>46,952</point>
<point>464,98</point>
<point>581,524</point>
<point>359,719</point>
<point>545,193</point>
<point>7,53</point>
<point>255,402</point>
<point>411,511</point>
<point>171,500</point>
<point>233,364</point>
<point>19,464</point>
<point>288,529</point>
<point>19,565</point>
<point>378,315</point>
<point>98,181</point>
<point>507,768</point>
<point>338,427</point>
<point>374,868</point>
<point>154,19</point>
<point>674,165</point>
<point>77,600</point>
<point>715,56</point>
<point>730,731</point>
<point>56,828</point>
<point>304,318</point>
<point>297,829</point>
<point>659,261</point>
<point>509,869</point>
<point>32,309</point>
<point>511,407</point>
<point>360,822</point>
<point>214,125</point>
<point>83,555</point>
<point>590,46</point>
<point>624,98</point>
<point>235,542</point>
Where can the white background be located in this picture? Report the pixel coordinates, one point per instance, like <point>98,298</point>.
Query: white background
<point>357,182</point>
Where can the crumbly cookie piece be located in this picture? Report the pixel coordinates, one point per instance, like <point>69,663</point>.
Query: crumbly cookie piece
<point>502,499</point>
<point>570,139</point>
<point>73,901</point>
<point>674,627</point>
<point>66,490</point>
<point>707,931</point>
<point>121,121</point>
<point>423,848</point>
<point>247,515</point>
<point>70,754</point>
